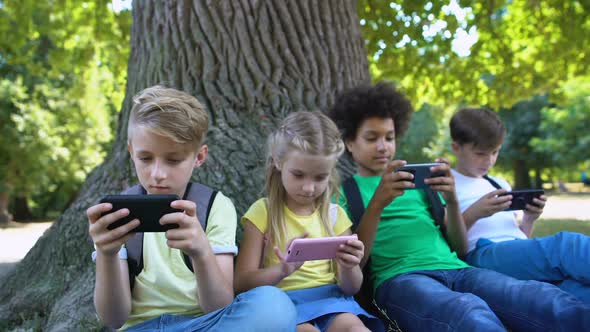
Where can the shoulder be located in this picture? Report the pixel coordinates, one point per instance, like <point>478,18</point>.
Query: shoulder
<point>502,182</point>
<point>257,211</point>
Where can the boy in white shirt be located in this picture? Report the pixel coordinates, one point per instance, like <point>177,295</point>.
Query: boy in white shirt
<point>495,241</point>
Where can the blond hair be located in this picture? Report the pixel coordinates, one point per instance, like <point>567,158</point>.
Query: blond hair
<point>309,132</point>
<point>170,113</point>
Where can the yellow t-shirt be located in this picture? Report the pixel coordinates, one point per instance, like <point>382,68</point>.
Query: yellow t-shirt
<point>312,273</point>
<point>166,285</point>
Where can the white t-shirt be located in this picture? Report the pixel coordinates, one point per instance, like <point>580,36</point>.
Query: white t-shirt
<point>498,227</point>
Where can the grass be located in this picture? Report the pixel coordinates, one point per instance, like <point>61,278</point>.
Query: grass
<point>544,227</point>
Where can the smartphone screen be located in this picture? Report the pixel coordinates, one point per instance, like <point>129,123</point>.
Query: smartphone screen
<point>147,208</point>
<point>420,172</point>
<point>520,198</point>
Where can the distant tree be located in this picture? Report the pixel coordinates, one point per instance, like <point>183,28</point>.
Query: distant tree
<point>62,69</point>
<point>523,48</point>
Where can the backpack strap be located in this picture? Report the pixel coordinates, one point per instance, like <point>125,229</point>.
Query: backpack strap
<point>203,197</point>
<point>492,182</point>
<point>437,210</point>
<point>354,201</point>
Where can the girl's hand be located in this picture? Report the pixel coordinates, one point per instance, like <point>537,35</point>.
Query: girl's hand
<point>288,267</point>
<point>350,254</point>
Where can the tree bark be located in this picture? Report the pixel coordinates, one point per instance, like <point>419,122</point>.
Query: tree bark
<point>250,62</point>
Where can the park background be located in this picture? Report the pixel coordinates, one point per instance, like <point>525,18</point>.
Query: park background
<point>69,68</point>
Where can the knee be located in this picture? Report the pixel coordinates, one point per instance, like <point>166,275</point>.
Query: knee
<point>273,308</point>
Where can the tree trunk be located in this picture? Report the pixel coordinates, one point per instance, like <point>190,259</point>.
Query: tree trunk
<point>251,63</point>
<point>22,212</point>
<point>522,179</point>
<point>5,217</point>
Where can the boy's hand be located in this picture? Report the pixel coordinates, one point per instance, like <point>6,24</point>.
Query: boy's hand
<point>350,254</point>
<point>288,267</point>
<point>532,212</point>
<point>393,184</point>
<point>489,204</point>
<point>445,183</point>
<point>108,242</point>
<point>189,236</point>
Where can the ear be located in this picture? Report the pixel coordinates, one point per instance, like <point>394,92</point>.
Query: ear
<point>201,155</point>
<point>348,144</point>
<point>456,147</point>
<point>277,165</point>
<point>130,149</point>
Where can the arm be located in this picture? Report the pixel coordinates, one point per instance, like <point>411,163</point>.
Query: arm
<point>392,185</point>
<point>456,232</point>
<point>531,214</point>
<point>112,292</point>
<point>214,273</point>
<point>348,258</point>
<point>486,206</point>
<point>249,270</point>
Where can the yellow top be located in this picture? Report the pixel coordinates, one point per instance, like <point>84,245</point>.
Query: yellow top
<point>312,273</point>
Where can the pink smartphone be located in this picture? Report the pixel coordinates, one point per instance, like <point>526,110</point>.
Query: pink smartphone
<point>316,248</point>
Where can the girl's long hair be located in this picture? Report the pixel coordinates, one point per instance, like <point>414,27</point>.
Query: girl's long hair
<point>311,133</point>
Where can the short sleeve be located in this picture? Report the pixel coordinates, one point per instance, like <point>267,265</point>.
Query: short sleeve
<point>221,225</point>
<point>257,214</point>
<point>343,222</point>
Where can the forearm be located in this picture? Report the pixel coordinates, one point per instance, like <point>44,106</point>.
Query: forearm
<point>456,230</point>
<point>350,280</point>
<point>368,228</point>
<point>112,292</point>
<point>261,277</point>
<point>526,226</point>
<point>214,291</point>
<point>470,217</point>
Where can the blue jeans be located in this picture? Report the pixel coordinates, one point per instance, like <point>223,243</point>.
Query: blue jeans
<point>263,308</point>
<point>474,299</point>
<point>562,259</point>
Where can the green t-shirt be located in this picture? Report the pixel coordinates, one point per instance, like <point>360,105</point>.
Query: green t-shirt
<point>407,238</point>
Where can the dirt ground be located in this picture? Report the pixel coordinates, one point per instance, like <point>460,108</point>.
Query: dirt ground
<point>16,239</point>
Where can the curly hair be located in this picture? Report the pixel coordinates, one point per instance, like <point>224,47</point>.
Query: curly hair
<point>354,106</point>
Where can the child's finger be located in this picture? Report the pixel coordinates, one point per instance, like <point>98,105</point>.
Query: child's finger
<point>189,207</point>
<point>94,212</point>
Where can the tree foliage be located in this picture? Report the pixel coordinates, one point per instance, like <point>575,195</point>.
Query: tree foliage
<point>523,47</point>
<point>62,65</point>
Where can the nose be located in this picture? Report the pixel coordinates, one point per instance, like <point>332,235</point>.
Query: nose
<point>380,144</point>
<point>308,187</point>
<point>158,171</point>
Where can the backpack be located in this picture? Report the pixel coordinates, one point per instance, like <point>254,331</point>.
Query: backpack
<point>200,194</point>
<point>355,205</point>
<point>492,182</point>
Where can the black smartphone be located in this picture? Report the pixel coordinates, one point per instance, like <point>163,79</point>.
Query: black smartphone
<point>147,208</point>
<point>520,198</point>
<point>421,172</point>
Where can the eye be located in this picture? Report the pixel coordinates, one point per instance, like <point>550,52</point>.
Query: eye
<point>297,175</point>
<point>321,178</point>
<point>371,139</point>
<point>390,138</point>
<point>174,161</point>
<point>143,158</point>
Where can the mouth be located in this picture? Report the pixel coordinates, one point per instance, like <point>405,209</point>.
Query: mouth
<point>382,159</point>
<point>159,188</point>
